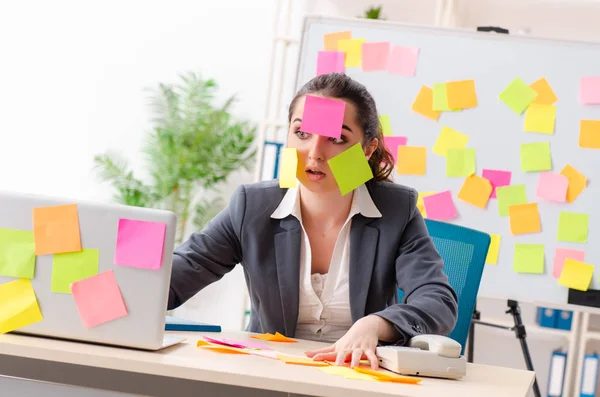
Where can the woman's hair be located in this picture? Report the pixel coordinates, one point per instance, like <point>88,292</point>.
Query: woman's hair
<point>340,86</point>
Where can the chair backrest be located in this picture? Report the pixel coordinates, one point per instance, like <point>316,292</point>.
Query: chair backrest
<point>464,252</point>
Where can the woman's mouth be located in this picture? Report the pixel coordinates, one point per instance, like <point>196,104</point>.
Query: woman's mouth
<point>315,175</point>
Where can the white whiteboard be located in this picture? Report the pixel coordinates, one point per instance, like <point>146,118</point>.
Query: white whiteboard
<point>496,133</point>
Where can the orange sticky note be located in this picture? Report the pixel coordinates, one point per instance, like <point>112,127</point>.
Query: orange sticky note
<point>546,95</point>
<point>301,361</point>
<point>412,160</point>
<point>524,218</point>
<point>589,134</point>
<point>56,229</point>
<point>461,94</point>
<point>330,40</point>
<point>274,338</point>
<point>423,104</point>
<point>577,182</point>
<point>387,377</point>
<point>576,274</point>
<point>476,190</point>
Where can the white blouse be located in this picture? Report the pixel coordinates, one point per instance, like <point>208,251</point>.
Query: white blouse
<point>324,301</point>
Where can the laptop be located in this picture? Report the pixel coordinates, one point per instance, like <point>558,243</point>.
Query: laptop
<point>143,240</point>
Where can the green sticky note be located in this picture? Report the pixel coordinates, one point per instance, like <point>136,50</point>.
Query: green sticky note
<point>386,124</point>
<point>73,266</point>
<point>460,162</point>
<point>518,96</point>
<point>573,227</point>
<point>529,258</point>
<point>510,195</point>
<point>535,156</point>
<point>350,169</point>
<point>17,253</point>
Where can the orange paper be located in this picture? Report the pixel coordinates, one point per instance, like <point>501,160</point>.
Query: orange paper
<point>476,190</point>
<point>546,95</point>
<point>524,218</point>
<point>330,40</point>
<point>302,361</point>
<point>577,182</point>
<point>219,348</point>
<point>274,338</point>
<point>412,160</point>
<point>423,104</point>
<point>56,229</point>
<point>461,94</point>
<point>387,377</point>
<point>589,134</point>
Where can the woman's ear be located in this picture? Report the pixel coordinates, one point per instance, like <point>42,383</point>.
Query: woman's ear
<point>371,147</point>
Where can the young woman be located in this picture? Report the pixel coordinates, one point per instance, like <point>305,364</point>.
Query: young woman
<point>319,265</point>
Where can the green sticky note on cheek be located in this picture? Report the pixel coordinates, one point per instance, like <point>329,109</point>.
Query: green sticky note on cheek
<point>350,169</point>
<point>529,258</point>
<point>17,253</point>
<point>70,267</point>
<point>573,227</point>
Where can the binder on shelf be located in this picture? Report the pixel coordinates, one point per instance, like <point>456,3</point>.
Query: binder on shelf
<point>546,317</point>
<point>556,374</point>
<point>589,376</point>
<point>564,319</point>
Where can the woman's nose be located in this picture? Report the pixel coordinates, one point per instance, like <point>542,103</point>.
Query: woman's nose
<point>316,150</point>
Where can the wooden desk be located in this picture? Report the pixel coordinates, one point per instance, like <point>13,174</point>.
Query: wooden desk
<point>185,369</point>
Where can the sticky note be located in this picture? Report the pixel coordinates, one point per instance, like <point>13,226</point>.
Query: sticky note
<point>98,299</point>
<point>140,244</point>
<point>375,56</point>
<point>510,195</point>
<point>497,178</point>
<point>540,118</point>
<point>301,361</point>
<point>460,162</point>
<point>440,98</point>
<point>440,206</point>
<point>573,227</point>
<point>561,255</point>
<point>449,139</point>
<point>277,337</point>
<point>330,40</point>
<point>589,134</point>
<point>323,116</point>
<point>386,124</point>
<point>494,249</point>
<point>589,90</point>
<point>577,182</point>
<point>17,253</point>
<point>529,258</point>
<point>475,190</point>
<point>518,96</point>
<point>576,275</point>
<point>546,95</point>
<point>423,104</point>
<point>552,187</point>
<point>56,229</point>
<point>288,168</point>
<point>216,348</point>
<point>412,160</point>
<point>461,94</point>
<point>247,344</point>
<point>421,204</point>
<point>403,60</point>
<point>19,306</point>
<point>535,156</point>
<point>386,376</point>
<point>73,266</point>
<point>330,62</point>
<point>347,373</point>
<point>353,50</point>
<point>350,169</point>
<point>392,143</point>
<point>524,218</point>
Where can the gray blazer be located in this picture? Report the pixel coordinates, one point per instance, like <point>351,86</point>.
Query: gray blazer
<point>387,253</point>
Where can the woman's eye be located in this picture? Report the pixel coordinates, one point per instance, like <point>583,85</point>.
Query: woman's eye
<point>302,134</point>
<point>338,141</point>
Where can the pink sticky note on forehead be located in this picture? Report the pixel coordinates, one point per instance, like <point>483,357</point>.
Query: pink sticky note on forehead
<point>375,56</point>
<point>562,254</point>
<point>98,299</point>
<point>392,143</point>
<point>140,244</point>
<point>323,116</point>
<point>440,206</point>
<point>552,187</point>
<point>330,62</point>
<point>403,60</point>
<point>589,90</point>
<point>497,178</point>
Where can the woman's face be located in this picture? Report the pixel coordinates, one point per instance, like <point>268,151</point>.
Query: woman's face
<point>315,150</point>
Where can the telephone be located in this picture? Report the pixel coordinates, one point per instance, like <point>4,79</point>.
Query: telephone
<point>426,355</point>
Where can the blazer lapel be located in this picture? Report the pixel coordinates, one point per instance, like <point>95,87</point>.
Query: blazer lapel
<point>287,257</point>
<point>363,246</point>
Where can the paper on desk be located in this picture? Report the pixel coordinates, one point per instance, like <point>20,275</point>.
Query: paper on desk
<point>98,299</point>
<point>411,160</point>
<point>347,373</point>
<point>375,56</point>
<point>140,244</point>
<point>237,344</point>
<point>576,275</point>
<point>577,182</point>
<point>518,95</point>
<point>219,348</point>
<point>323,116</point>
<point>17,253</point>
<point>350,168</point>
<point>274,338</point>
<point>403,60</point>
<point>56,229</point>
<point>73,266</point>
<point>19,306</point>
<point>307,361</point>
<point>289,168</point>
<point>382,376</point>
<point>546,95</point>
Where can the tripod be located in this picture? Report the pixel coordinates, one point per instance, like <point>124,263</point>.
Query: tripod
<point>519,328</point>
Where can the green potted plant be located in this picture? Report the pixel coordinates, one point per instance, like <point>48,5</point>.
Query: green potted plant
<point>373,13</point>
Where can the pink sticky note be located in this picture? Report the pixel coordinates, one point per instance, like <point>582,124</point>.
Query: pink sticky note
<point>552,186</point>
<point>497,178</point>
<point>392,143</point>
<point>330,62</point>
<point>248,344</point>
<point>561,254</point>
<point>403,60</point>
<point>440,206</point>
<point>375,56</point>
<point>140,244</point>
<point>589,90</point>
<point>98,299</point>
<point>323,116</point>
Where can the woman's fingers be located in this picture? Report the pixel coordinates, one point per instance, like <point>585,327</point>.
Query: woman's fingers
<point>312,353</point>
<point>357,355</point>
<point>342,357</point>
<point>372,358</point>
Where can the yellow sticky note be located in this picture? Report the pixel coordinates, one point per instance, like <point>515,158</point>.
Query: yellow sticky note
<point>476,190</point>
<point>493,250</point>
<point>540,118</point>
<point>346,372</point>
<point>386,124</point>
<point>56,229</point>
<point>301,361</point>
<point>353,50</point>
<point>17,253</point>
<point>289,167</point>
<point>577,182</point>
<point>412,160</point>
<point>460,162</point>
<point>461,94</point>
<point>449,138</point>
<point>421,204</point>
<point>529,258</point>
<point>330,40</point>
<point>387,376</point>
<point>274,338</point>
<point>524,218</point>
<point>423,104</point>
<point>576,274</point>
<point>19,306</point>
<point>589,134</point>
<point>546,95</point>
